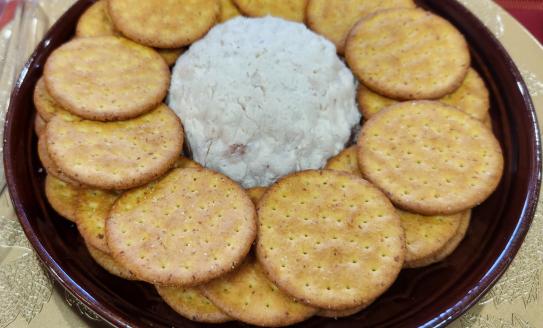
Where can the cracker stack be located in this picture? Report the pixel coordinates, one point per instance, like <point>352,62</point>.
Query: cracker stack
<point>327,242</point>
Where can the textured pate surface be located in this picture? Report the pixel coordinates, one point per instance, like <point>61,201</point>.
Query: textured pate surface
<point>261,98</point>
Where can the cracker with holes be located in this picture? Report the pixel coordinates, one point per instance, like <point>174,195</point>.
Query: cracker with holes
<point>109,264</point>
<point>228,10</point>
<point>293,10</point>
<point>95,22</point>
<point>330,239</point>
<point>62,197</point>
<point>192,304</point>
<point>116,155</point>
<point>106,78</point>
<point>448,248</point>
<point>50,166</point>
<point>471,98</point>
<point>256,193</point>
<point>246,294</point>
<point>345,161</point>
<point>335,19</point>
<point>430,158</point>
<point>340,313</point>
<point>427,235</point>
<point>164,23</point>
<point>92,210</point>
<point>45,105</point>
<point>183,162</point>
<point>187,228</point>
<point>408,54</point>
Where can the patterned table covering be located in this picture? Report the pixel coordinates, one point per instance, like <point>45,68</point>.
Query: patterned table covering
<point>30,298</point>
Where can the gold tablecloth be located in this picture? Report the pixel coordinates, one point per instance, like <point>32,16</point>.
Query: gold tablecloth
<point>30,298</point>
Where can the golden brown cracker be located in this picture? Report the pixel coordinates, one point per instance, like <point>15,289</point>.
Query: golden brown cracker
<point>228,10</point>
<point>45,105</point>
<point>293,10</point>
<point>246,294</point>
<point>370,103</point>
<point>487,121</point>
<point>106,78</point>
<point>116,155</point>
<point>170,56</point>
<point>183,162</point>
<point>471,97</point>
<point>109,264</point>
<point>426,235</point>
<point>164,23</point>
<point>95,21</point>
<point>192,304</point>
<point>50,166</point>
<point>92,210</point>
<point>256,193</point>
<point>340,313</point>
<point>187,228</point>
<point>448,248</point>
<point>335,19</point>
<point>430,158</point>
<point>330,239</point>
<point>345,161</point>
<point>62,197</point>
<point>408,54</point>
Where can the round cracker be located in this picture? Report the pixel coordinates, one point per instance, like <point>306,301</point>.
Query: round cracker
<point>50,166</point>
<point>430,158</point>
<point>471,97</point>
<point>164,23</point>
<point>247,295</point>
<point>335,19</point>
<point>45,105</point>
<point>109,264</point>
<point>256,193</point>
<point>293,10</point>
<point>448,248</point>
<point>116,155</point>
<point>95,22</point>
<point>106,78</point>
<point>170,56</point>
<point>330,239</point>
<point>228,10</point>
<point>345,161</point>
<point>192,304</point>
<point>408,54</point>
<point>92,210</point>
<point>426,235</point>
<point>187,228</point>
<point>39,125</point>
<point>62,197</point>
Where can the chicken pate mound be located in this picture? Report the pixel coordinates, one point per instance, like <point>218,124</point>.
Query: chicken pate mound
<point>261,98</point>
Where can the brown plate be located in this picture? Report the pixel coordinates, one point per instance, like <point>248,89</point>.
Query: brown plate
<point>425,297</point>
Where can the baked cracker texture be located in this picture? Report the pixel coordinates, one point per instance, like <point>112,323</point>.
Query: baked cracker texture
<point>45,105</point>
<point>430,158</point>
<point>164,23</point>
<point>109,264</point>
<point>408,54</point>
<point>95,21</point>
<point>228,10</point>
<point>246,294</point>
<point>116,155</point>
<point>345,161</point>
<point>330,239</point>
<point>192,304</point>
<point>92,210</point>
<point>185,229</point>
<point>448,248</point>
<point>335,19</point>
<point>61,196</point>
<point>293,10</point>
<point>106,78</point>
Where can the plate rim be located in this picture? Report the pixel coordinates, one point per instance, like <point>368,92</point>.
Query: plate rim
<point>491,276</point>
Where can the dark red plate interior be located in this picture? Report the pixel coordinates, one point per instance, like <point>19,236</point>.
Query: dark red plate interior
<point>423,297</point>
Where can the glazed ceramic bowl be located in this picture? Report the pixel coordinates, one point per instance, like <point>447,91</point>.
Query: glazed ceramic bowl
<point>426,297</point>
